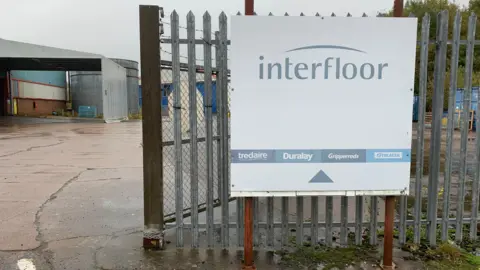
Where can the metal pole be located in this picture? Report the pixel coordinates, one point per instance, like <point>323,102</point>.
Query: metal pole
<point>249,7</point>
<point>398,8</point>
<point>248,231</point>
<point>151,128</point>
<point>248,235</point>
<point>388,234</point>
<point>390,200</point>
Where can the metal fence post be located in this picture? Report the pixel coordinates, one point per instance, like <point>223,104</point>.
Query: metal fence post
<point>421,127</point>
<point>476,179</point>
<point>218,98</point>
<point>207,53</point>
<point>151,128</point>
<point>465,126</point>
<point>344,221</point>
<point>177,128</point>
<point>436,137</point>
<point>192,91</point>
<point>224,126</point>
<point>450,125</point>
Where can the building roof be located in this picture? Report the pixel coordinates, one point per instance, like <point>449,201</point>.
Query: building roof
<point>16,55</point>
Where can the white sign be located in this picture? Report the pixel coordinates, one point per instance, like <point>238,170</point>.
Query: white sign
<point>321,106</point>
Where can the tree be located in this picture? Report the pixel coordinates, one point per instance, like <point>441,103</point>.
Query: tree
<point>433,7</point>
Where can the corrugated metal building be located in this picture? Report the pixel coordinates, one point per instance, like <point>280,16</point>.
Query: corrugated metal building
<point>86,87</point>
<point>131,68</point>
<point>33,81</point>
<point>106,91</point>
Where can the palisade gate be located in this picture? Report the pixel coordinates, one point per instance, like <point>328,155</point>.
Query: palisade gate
<point>443,200</point>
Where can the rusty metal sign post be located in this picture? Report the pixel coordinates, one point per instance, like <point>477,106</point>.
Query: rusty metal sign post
<point>390,200</point>
<point>248,231</point>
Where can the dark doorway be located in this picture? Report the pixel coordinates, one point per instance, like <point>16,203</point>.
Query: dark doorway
<point>3,96</point>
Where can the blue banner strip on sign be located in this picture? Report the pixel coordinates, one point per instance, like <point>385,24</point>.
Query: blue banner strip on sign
<point>388,155</point>
<point>320,156</point>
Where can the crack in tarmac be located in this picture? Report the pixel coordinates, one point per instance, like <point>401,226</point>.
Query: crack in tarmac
<point>35,135</point>
<point>41,250</point>
<point>100,180</point>
<point>31,148</point>
<point>52,197</point>
<point>47,256</point>
<point>39,238</point>
<point>114,168</point>
<point>113,235</point>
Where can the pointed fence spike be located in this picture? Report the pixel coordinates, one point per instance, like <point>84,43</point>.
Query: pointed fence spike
<point>426,16</point>
<point>223,16</point>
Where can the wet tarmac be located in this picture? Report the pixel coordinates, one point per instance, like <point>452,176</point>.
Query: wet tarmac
<point>71,197</point>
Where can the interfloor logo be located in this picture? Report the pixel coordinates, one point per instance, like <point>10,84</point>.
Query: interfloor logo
<point>327,68</point>
<point>388,155</point>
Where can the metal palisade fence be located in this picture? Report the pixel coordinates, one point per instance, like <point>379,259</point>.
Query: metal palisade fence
<point>196,127</point>
<point>443,200</point>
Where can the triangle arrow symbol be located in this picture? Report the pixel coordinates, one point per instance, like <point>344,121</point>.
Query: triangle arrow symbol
<point>321,177</point>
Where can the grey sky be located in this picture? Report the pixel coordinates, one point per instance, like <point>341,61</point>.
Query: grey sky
<point>110,27</point>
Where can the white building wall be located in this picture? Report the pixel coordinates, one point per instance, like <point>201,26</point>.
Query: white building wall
<point>40,91</point>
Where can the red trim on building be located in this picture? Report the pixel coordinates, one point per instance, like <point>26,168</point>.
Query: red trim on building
<point>46,99</point>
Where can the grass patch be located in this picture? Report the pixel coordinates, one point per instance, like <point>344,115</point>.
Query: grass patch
<point>446,256</point>
<point>136,116</point>
<point>311,257</point>
<point>466,244</point>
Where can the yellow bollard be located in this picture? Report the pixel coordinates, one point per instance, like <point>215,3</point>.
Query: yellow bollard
<point>444,121</point>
